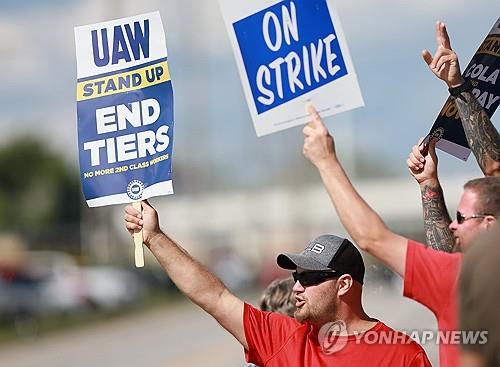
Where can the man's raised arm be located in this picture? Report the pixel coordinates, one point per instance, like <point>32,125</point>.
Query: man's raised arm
<point>192,278</point>
<point>436,217</point>
<point>365,226</point>
<point>483,138</point>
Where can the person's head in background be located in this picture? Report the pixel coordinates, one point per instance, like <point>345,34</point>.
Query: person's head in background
<point>480,300</point>
<point>478,210</point>
<point>278,297</point>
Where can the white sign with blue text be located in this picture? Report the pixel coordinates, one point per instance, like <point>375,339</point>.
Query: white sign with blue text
<point>125,110</point>
<point>288,53</point>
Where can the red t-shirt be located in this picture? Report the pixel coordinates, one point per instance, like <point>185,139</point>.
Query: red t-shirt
<point>431,278</point>
<point>275,340</point>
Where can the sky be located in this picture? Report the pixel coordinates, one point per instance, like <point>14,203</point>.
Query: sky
<point>215,146</point>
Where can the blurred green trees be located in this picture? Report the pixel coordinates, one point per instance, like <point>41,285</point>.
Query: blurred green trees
<point>37,188</point>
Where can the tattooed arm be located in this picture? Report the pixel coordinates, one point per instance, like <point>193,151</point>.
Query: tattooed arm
<point>482,136</point>
<point>436,217</point>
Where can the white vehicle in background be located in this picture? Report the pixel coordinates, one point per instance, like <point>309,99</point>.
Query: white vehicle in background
<point>52,282</point>
<point>68,286</point>
<point>62,287</point>
<point>110,288</point>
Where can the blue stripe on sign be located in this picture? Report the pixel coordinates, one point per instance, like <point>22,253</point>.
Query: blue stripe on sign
<point>289,49</point>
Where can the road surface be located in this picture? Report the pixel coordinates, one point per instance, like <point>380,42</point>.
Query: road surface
<point>181,335</point>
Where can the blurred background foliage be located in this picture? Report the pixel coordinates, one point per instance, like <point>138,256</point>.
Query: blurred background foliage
<point>37,190</point>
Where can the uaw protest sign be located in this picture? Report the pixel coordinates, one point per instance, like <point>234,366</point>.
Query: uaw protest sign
<point>290,52</point>
<point>125,110</point>
<point>483,71</point>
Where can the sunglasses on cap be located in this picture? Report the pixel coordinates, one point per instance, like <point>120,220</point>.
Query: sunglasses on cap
<point>462,218</point>
<point>309,278</point>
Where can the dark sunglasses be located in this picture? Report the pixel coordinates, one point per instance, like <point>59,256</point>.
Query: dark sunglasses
<point>461,218</point>
<point>309,278</point>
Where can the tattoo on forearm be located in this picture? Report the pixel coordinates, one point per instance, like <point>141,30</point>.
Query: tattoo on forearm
<point>482,136</point>
<point>436,219</point>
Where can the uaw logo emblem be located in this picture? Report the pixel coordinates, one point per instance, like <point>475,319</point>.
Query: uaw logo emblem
<point>437,134</point>
<point>135,188</point>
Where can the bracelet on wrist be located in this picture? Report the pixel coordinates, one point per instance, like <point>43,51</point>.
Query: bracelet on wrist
<point>464,87</point>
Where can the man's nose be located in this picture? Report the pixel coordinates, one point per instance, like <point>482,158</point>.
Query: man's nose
<point>297,287</point>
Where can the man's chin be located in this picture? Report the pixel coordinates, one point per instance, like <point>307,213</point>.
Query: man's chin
<point>299,316</point>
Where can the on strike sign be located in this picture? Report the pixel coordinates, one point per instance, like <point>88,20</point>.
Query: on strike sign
<point>289,52</point>
<point>125,110</point>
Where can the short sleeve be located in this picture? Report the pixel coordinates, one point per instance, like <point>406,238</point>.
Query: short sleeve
<point>265,333</point>
<point>420,360</point>
<point>431,276</point>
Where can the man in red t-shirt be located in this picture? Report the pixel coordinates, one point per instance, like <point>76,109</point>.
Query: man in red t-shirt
<point>430,276</point>
<point>330,326</point>
<point>482,137</point>
<point>328,281</point>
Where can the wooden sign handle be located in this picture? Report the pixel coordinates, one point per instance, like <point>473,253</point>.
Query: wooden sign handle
<point>139,252</point>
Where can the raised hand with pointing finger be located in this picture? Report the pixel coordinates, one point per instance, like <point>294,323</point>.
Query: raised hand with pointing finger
<point>444,64</point>
<point>482,136</point>
<point>319,146</point>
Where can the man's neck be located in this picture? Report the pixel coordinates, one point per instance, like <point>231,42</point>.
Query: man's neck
<point>355,319</point>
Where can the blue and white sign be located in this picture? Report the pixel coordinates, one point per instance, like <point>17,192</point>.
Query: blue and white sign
<point>125,110</point>
<point>290,52</point>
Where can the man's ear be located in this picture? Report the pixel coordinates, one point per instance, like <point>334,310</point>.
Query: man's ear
<point>344,284</point>
<point>490,221</point>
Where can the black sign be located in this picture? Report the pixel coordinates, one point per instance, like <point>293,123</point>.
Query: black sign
<point>483,72</point>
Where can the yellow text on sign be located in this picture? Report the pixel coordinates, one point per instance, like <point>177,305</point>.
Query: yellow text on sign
<point>123,82</point>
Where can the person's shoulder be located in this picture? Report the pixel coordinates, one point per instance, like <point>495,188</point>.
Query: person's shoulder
<point>277,317</point>
<point>400,339</point>
<point>417,247</point>
<point>272,317</point>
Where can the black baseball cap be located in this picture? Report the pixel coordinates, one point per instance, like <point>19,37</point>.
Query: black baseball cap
<point>324,253</point>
